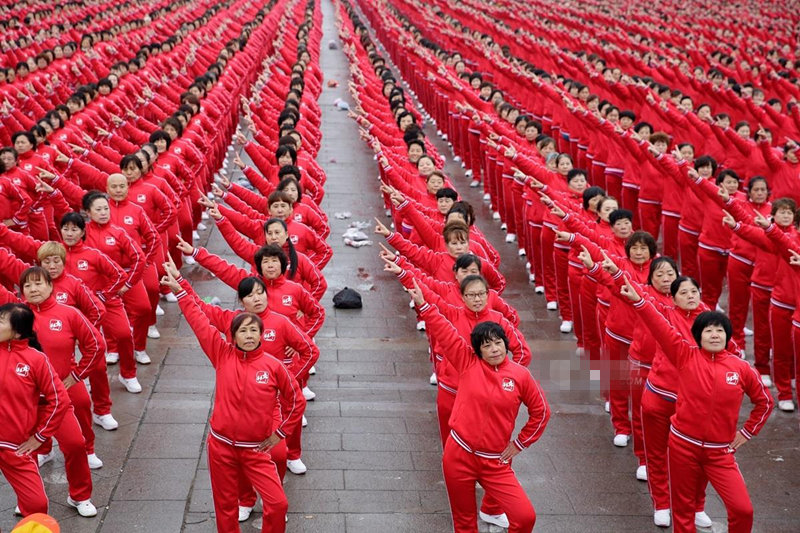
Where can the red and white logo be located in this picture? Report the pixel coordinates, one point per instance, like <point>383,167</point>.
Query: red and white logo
<point>269,335</point>
<point>62,297</point>
<point>293,238</point>
<point>55,324</point>
<point>732,378</point>
<point>111,241</point>
<point>508,384</point>
<point>177,149</point>
<point>262,376</point>
<point>22,370</point>
<point>286,300</point>
<point>16,181</point>
<point>28,166</point>
<point>298,217</point>
<point>141,198</point>
<point>128,221</point>
<point>83,264</point>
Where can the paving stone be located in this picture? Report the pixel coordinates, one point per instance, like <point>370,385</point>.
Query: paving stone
<point>156,479</point>
<point>172,408</point>
<point>397,523</point>
<point>168,441</point>
<point>144,516</point>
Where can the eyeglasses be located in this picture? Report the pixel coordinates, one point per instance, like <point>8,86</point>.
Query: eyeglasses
<point>475,295</point>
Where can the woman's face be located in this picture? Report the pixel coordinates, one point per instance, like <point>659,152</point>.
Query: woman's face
<point>531,133</point>
<point>783,217</point>
<point>434,183</point>
<point>285,160</point>
<point>22,144</point>
<point>475,296</point>
<point>520,127</point>
<point>493,351</point>
<point>713,339</point>
<point>547,149</point>
<point>161,145</point>
<point>731,184</point>
<point>71,234</point>
<point>471,270</point>
<point>171,131</point>
<point>608,207</point>
<point>275,234</point>
<point>414,153</point>
<point>593,201</point>
<point>271,267</point>
<point>639,253</point>
<point>99,212</point>
<point>405,122</point>
<point>758,192</point>
<point>54,265</point>
<point>37,290</point>
<point>280,210</point>
<point>291,191</point>
<point>456,247</point>
<point>443,205</point>
<point>663,277</point>
<point>744,132</point>
<point>256,301</point>
<point>564,165</point>
<point>578,183</point>
<point>132,172</point>
<point>688,296</point>
<point>7,333</point>
<point>248,336</point>
<point>425,166</point>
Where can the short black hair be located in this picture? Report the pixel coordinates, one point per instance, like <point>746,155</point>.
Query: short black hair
<point>619,214</point>
<point>676,284</point>
<point>246,286</point>
<point>470,279</point>
<point>726,173</point>
<point>657,262</point>
<point>705,161</point>
<point>590,193</point>
<point>486,331</point>
<point>447,192</point>
<point>641,237</point>
<point>572,174</point>
<point>466,261</point>
<point>270,250</point>
<point>73,218</point>
<point>711,318</point>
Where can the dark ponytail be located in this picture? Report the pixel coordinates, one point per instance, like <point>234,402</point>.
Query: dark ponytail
<point>21,318</point>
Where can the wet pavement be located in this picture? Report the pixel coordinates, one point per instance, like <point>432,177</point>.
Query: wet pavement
<point>372,445</point>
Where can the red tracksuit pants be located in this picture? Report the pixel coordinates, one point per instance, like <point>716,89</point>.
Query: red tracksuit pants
<point>688,465</point>
<point>616,375</point>
<point>780,322</point>
<point>712,267</point>
<point>575,280</point>
<point>73,447</point>
<point>687,240</point>
<point>561,260</point>
<point>796,342</point>
<point>137,307</point>
<point>247,496</point>
<point>630,201</point>
<point>613,184</point>
<point>762,336</point>
<point>638,377</point>
<point>670,237</point>
<point>444,407</point>
<point>656,414</point>
<point>548,265</point>
<point>82,405</point>
<point>117,331</point>
<point>22,473</point>
<point>739,274</point>
<point>589,321</point>
<point>650,217</point>
<point>534,250</point>
<point>462,469</point>
<point>226,464</point>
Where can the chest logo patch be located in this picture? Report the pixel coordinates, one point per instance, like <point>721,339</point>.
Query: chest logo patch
<point>83,264</point>
<point>293,238</point>
<point>141,198</point>
<point>22,370</point>
<point>61,297</point>
<point>56,324</point>
<point>732,378</point>
<point>508,384</point>
<point>269,335</point>
<point>262,377</point>
<point>128,221</point>
<point>286,300</point>
<point>111,241</point>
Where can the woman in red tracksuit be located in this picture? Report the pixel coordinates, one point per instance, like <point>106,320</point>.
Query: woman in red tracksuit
<point>59,328</point>
<point>659,398</point>
<point>703,437</point>
<point>33,406</point>
<point>250,385</point>
<point>480,446</point>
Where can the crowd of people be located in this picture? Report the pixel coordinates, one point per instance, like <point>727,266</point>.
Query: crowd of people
<point>634,169</point>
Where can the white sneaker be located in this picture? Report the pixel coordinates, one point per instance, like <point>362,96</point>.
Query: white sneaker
<point>94,461</point>
<point>503,226</point>
<point>106,422</point>
<point>411,304</point>
<point>702,519</point>
<point>312,370</point>
<point>500,520</point>
<point>474,183</point>
<point>552,306</point>
<point>662,518</point>
<point>487,197</point>
<point>496,215</point>
<point>766,380</point>
<point>433,380</point>
<point>304,422</point>
<point>46,458</point>
<point>112,358</point>
<point>141,357</point>
<point>511,237</point>
<point>468,173</point>
<point>786,406</point>
<point>641,473</point>
<point>528,265</point>
<point>296,466</point>
<point>17,511</point>
<point>85,508</point>
<point>748,332</point>
<point>171,298</point>
<point>189,260</point>
<point>153,333</point>
<point>532,278</point>
<point>308,394</point>
<point>539,289</point>
<point>201,227</point>
<point>457,159</point>
<point>195,236</point>
<point>421,325</point>
<point>159,311</point>
<point>244,513</point>
<point>131,385</point>
<point>621,440</point>
<point>566,326</point>
<point>521,252</point>
<point>607,407</point>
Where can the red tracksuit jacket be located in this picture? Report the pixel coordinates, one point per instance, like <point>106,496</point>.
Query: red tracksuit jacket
<point>711,387</point>
<point>248,386</point>
<point>489,397</point>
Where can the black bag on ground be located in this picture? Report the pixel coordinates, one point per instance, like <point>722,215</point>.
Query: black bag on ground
<point>347,298</point>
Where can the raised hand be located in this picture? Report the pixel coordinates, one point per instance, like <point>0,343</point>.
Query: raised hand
<point>381,229</point>
<point>629,292</point>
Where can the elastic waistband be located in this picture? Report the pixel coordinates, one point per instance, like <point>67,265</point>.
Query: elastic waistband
<point>460,442</point>
<point>661,393</point>
<point>702,444</point>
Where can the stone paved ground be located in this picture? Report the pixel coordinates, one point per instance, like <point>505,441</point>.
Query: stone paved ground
<point>372,445</point>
